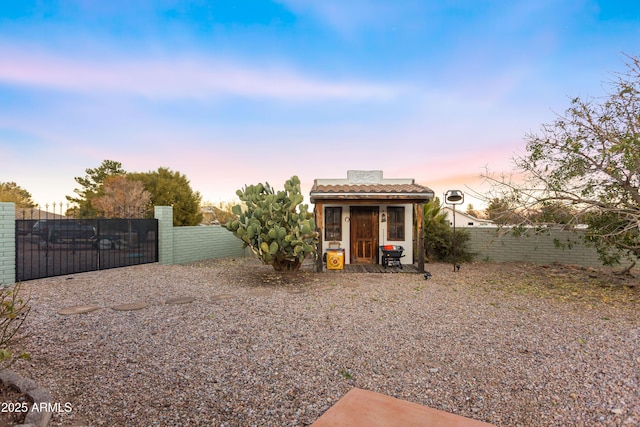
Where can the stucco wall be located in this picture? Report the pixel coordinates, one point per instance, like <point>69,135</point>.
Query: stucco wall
<point>407,243</point>
<point>344,243</point>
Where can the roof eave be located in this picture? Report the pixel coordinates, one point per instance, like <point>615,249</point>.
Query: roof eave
<point>372,196</point>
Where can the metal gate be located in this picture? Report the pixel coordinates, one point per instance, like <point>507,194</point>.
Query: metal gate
<point>56,246</point>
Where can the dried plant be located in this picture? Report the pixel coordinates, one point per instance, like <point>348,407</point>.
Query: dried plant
<point>13,312</point>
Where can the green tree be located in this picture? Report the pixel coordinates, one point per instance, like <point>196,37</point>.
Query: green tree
<point>503,210</point>
<point>275,225</point>
<point>12,192</point>
<point>219,213</point>
<point>553,212</point>
<point>589,159</point>
<point>169,188</point>
<point>470,210</point>
<point>91,186</point>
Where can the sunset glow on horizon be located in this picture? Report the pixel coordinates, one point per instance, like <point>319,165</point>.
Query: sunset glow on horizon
<point>232,93</point>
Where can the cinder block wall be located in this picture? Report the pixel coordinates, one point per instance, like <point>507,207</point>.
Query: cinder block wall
<point>198,243</point>
<point>164,215</point>
<point>181,245</point>
<point>7,243</point>
<point>493,244</point>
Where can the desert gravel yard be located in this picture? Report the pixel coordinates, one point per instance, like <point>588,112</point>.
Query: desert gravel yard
<point>509,344</point>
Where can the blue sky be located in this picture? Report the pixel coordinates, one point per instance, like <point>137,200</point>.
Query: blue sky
<point>238,92</point>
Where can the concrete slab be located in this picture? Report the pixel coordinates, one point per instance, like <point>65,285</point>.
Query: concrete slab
<point>363,408</point>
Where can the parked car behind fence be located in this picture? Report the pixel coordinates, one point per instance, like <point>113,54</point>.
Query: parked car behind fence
<point>55,230</point>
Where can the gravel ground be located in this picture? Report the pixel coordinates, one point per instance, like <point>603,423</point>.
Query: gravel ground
<point>509,344</point>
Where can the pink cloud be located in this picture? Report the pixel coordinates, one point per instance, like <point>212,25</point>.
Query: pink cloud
<point>186,77</point>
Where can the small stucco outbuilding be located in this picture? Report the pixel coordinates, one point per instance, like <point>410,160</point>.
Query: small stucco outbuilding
<point>366,210</point>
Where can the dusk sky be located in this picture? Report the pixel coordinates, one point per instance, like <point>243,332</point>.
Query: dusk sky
<point>234,92</point>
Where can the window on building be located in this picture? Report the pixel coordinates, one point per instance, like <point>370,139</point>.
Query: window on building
<point>333,223</point>
<point>395,221</point>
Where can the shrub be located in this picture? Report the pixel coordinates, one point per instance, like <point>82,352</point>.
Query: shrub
<point>438,236</point>
<point>439,245</point>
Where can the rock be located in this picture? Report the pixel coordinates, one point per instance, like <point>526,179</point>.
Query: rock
<point>130,307</point>
<point>78,309</point>
<point>222,297</point>
<point>181,300</point>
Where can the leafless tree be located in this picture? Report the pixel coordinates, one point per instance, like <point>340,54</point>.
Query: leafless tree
<point>122,197</point>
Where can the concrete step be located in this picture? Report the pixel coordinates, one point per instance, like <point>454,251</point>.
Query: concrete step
<point>363,408</point>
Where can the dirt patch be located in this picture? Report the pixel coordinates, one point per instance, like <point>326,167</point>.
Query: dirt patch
<point>562,282</point>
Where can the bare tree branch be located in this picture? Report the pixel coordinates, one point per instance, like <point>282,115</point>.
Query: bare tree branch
<point>587,160</point>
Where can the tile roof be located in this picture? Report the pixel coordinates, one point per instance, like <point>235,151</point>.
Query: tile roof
<point>371,188</point>
<point>371,191</point>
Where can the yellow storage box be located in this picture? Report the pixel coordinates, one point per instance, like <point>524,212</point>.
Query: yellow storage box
<point>335,259</point>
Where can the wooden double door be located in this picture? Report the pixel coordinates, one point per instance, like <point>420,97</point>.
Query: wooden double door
<point>364,234</point>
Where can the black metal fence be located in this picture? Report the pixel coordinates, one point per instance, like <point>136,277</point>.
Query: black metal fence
<point>49,244</point>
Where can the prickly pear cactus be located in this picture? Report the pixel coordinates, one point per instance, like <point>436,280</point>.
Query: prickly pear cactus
<point>275,225</point>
